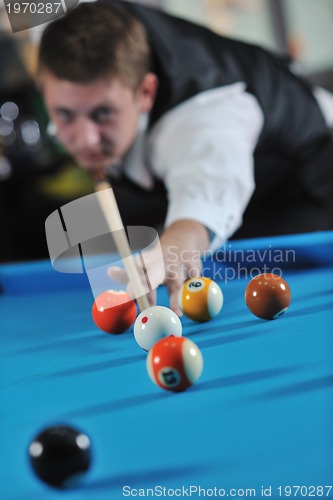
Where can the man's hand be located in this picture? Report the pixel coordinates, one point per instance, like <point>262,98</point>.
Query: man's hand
<point>182,245</point>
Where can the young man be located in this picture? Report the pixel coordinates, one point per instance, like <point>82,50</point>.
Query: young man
<point>229,131</point>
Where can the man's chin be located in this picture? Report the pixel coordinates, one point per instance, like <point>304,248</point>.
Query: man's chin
<point>94,166</point>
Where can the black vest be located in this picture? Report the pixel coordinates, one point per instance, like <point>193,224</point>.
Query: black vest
<point>189,59</point>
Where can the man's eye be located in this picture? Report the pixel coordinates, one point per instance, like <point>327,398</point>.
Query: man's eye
<point>101,114</point>
<point>64,115</point>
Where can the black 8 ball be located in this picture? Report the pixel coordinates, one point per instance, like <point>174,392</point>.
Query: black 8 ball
<point>60,456</point>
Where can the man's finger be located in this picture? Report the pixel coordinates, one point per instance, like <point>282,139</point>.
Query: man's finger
<point>174,286</point>
<point>118,274</point>
<point>174,303</point>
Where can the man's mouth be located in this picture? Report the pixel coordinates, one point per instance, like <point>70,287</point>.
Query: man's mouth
<point>91,155</point>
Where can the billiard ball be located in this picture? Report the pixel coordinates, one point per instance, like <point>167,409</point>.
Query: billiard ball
<point>174,363</point>
<point>200,299</point>
<point>113,311</point>
<point>155,323</point>
<point>60,456</point>
<point>267,296</point>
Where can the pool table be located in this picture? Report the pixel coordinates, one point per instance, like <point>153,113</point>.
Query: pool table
<point>257,423</point>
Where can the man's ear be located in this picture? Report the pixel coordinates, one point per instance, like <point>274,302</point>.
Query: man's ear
<point>147,91</point>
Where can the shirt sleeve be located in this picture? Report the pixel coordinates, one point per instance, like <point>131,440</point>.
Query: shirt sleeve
<point>325,102</point>
<point>203,150</point>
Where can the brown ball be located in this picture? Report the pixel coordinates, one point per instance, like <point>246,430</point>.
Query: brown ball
<point>267,296</point>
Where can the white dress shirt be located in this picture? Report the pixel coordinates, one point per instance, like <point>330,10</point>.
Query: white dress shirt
<point>203,151</point>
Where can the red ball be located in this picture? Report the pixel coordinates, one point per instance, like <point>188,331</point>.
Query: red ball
<point>114,311</point>
<point>267,296</point>
<point>174,363</point>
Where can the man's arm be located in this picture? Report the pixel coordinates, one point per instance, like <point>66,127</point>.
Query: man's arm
<point>203,151</point>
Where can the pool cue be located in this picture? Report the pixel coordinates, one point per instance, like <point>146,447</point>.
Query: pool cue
<point>112,216</point>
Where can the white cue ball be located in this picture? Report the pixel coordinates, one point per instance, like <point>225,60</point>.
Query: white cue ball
<point>154,323</point>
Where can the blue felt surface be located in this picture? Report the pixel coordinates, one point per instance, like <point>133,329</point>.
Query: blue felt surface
<point>260,415</point>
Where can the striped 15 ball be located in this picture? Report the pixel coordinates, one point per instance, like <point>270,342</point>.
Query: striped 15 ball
<point>174,363</point>
<point>200,299</point>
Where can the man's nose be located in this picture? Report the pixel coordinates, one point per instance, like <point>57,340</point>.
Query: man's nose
<point>87,133</point>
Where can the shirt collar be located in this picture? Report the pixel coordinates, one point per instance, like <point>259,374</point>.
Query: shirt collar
<point>134,165</point>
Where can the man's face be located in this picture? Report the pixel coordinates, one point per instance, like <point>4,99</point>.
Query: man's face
<point>96,122</point>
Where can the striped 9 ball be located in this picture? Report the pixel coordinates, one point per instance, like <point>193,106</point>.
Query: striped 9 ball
<point>200,299</point>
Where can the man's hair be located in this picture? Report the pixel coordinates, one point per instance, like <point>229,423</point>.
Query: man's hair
<point>94,41</point>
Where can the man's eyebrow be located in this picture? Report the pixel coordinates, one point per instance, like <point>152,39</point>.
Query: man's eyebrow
<point>92,112</point>
<point>103,106</point>
<point>62,109</point>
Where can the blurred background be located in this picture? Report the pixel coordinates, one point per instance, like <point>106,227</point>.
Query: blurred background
<point>36,174</point>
